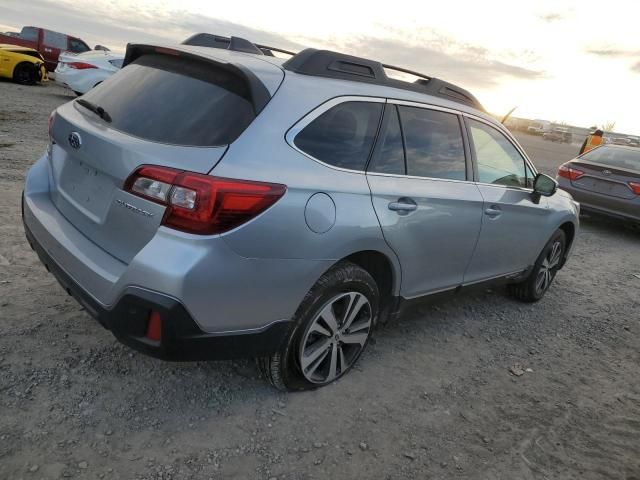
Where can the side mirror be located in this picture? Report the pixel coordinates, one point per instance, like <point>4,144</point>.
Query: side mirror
<point>544,185</point>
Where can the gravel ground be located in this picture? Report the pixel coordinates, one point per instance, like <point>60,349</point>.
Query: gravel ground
<point>433,397</point>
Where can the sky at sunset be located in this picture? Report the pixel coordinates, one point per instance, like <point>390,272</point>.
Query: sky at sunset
<point>577,62</point>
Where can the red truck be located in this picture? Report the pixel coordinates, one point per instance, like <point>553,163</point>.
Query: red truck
<point>49,43</point>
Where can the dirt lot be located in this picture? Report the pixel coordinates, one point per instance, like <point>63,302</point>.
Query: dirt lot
<point>432,398</point>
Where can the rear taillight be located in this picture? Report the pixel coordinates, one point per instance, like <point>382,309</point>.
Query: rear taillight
<point>202,204</point>
<point>154,327</point>
<point>80,65</point>
<point>635,187</point>
<point>569,172</point>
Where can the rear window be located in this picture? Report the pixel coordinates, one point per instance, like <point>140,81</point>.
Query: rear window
<point>343,135</point>
<point>176,101</point>
<point>614,157</point>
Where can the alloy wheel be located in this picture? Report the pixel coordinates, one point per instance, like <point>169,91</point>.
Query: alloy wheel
<point>548,267</point>
<point>335,338</point>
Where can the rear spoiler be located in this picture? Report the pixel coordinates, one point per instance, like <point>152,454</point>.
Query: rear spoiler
<point>259,94</point>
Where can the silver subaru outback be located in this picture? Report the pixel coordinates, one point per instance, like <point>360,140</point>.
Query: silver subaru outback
<point>210,203</point>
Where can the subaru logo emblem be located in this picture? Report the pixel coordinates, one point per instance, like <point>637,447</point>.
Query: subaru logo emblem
<point>606,172</point>
<point>75,140</point>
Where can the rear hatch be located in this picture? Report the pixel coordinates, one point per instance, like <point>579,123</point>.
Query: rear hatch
<point>165,107</point>
<point>608,171</point>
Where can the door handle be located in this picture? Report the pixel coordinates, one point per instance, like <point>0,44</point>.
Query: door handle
<point>403,206</point>
<point>493,211</point>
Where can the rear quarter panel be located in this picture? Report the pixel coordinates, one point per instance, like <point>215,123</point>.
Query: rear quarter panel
<point>263,154</point>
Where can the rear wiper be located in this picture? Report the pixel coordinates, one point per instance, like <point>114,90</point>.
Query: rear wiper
<point>98,110</point>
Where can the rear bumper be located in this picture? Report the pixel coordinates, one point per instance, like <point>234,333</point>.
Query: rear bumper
<point>181,337</point>
<point>622,209</point>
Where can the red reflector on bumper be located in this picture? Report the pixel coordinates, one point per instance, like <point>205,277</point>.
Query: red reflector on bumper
<point>154,327</point>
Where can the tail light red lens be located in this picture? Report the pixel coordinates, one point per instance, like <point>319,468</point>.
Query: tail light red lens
<point>202,204</point>
<point>635,187</point>
<point>569,172</point>
<point>80,65</point>
<point>154,327</point>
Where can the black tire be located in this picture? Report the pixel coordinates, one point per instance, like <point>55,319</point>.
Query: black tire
<point>283,369</point>
<point>25,74</point>
<point>530,289</point>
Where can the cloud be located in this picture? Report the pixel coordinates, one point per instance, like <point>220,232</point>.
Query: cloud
<point>469,66</point>
<point>613,52</point>
<point>116,23</point>
<point>551,17</point>
<point>627,55</point>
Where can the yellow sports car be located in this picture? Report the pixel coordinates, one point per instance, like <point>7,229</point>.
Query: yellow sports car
<point>23,64</point>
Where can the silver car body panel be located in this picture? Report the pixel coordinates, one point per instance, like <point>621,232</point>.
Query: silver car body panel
<point>259,273</point>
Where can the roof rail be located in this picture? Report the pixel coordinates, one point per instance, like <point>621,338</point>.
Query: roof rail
<point>237,44</point>
<point>325,63</point>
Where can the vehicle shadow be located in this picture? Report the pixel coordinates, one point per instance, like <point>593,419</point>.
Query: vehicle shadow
<point>598,223</point>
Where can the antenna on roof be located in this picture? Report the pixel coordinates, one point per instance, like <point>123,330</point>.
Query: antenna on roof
<point>504,119</point>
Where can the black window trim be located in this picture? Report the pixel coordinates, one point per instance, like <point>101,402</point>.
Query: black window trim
<point>476,176</point>
<point>319,110</point>
<point>467,152</point>
<point>377,145</point>
<point>398,103</point>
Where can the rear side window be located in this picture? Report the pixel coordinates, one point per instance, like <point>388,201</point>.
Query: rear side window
<point>614,157</point>
<point>433,142</point>
<point>55,40</point>
<point>77,46</point>
<point>343,135</point>
<point>388,156</point>
<point>174,100</point>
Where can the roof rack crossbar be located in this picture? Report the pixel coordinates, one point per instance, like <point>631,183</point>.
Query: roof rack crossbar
<point>405,70</point>
<point>237,44</point>
<point>325,63</point>
<point>275,49</point>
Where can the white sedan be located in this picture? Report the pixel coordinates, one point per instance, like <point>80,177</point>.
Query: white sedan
<point>84,71</point>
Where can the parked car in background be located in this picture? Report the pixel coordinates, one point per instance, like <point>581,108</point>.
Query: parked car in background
<point>84,71</point>
<point>559,134</point>
<point>605,180</point>
<point>22,64</point>
<point>49,43</point>
<point>538,127</point>
<point>366,192</point>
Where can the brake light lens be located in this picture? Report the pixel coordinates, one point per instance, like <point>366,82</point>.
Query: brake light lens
<point>569,172</point>
<point>80,65</point>
<point>635,187</point>
<point>202,204</point>
<point>154,327</point>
